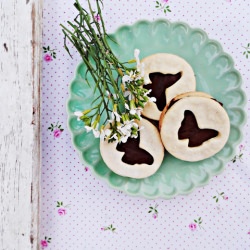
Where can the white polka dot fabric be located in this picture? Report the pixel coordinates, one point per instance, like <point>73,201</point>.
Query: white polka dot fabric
<point>78,210</point>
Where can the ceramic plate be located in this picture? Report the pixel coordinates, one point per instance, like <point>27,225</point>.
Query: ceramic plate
<point>215,74</point>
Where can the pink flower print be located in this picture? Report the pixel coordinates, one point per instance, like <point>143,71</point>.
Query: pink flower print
<point>62,208</point>
<point>196,223</point>
<point>49,54</point>
<point>61,211</point>
<point>57,133</point>
<point>97,18</point>
<point>110,227</point>
<point>47,58</point>
<point>44,243</point>
<point>155,215</point>
<point>241,147</point>
<point>86,169</point>
<point>154,211</point>
<point>222,194</point>
<point>192,226</point>
<point>56,129</point>
<point>162,6</point>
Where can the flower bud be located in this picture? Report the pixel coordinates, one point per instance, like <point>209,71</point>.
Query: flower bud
<point>132,61</point>
<point>86,111</point>
<point>120,72</point>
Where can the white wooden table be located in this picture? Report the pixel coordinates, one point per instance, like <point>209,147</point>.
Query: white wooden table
<point>20,61</point>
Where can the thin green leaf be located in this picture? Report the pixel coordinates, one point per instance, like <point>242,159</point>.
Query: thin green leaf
<point>217,200</point>
<point>195,221</point>
<point>222,193</point>
<point>150,211</point>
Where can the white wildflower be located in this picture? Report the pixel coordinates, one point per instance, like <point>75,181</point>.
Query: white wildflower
<point>126,78</point>
<point>88,128</point>
<point>79,114</point>
<point>96,133</point>
<point>129,95</point>
<point>151,99</point>
<point>105,133</point>
<point>136,111</point>
<point>115,116</point>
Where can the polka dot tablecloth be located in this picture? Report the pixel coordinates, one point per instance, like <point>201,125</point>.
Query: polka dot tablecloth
<point>78,210</point>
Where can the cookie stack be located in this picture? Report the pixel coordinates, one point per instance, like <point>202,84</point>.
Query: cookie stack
<point>192,125</point>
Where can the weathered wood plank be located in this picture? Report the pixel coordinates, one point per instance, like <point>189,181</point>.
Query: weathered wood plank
<point>20,61</point>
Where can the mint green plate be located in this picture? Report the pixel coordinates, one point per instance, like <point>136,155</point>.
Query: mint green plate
<point>215,74</point>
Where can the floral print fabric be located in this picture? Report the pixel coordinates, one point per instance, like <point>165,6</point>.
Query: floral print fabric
<point>78,210</point>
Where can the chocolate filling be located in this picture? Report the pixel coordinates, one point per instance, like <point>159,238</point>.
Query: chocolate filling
<point>154,122</point>
<point>160,82</point>
<point>133,153</point>
<point>189,130</point>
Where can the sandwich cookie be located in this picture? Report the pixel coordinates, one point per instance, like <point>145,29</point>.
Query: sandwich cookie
<point>167,76</point>
<point>194,126</point>
<point>137,158</point>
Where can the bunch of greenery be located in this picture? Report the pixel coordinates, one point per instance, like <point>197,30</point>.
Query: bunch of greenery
<point>121,96</point>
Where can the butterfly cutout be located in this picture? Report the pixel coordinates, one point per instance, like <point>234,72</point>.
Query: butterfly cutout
<point>133,153</point>
<point>160,82</point>
<point>189,130</point>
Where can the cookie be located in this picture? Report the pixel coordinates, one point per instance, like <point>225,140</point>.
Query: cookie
<point>137,158</point>
<point>194,126</point>
<point>167,76</point>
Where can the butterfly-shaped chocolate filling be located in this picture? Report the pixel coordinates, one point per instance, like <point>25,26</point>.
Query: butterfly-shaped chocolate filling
<point>133,153</point>
<point>160,82</point>
<point>190,130</point>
